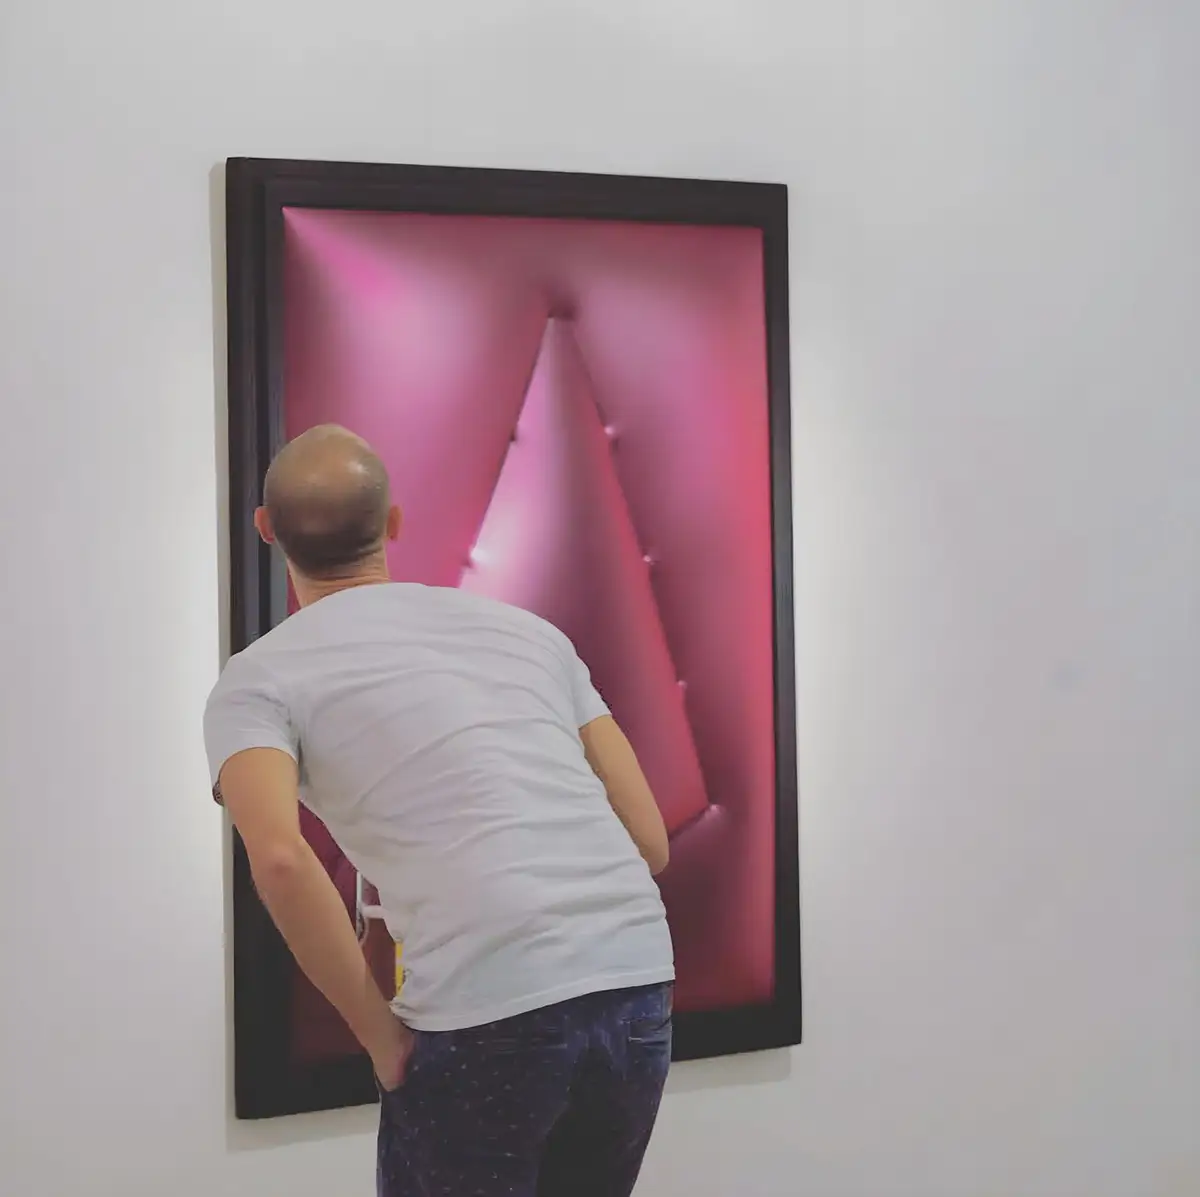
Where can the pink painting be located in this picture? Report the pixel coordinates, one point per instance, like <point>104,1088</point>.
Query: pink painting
<point>576,417</point>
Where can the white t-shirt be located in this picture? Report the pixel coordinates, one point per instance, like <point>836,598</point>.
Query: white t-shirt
<point>437,734</point>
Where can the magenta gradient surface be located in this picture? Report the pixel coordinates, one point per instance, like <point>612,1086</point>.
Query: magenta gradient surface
<point>575,419</point>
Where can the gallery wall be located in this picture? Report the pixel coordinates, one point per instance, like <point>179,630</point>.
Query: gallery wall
<point>996,296</point>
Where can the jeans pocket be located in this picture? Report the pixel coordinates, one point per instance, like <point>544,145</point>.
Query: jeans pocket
<point>650,1031</point>
<point>650,1021</point>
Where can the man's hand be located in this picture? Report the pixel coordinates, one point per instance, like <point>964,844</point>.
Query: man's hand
<point>390,1057</point>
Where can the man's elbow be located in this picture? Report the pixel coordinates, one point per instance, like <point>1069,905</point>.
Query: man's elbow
<point>275,867</point>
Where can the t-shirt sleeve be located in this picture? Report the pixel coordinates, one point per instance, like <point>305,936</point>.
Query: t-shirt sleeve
<point>585,697</point>
<point>244,711</point>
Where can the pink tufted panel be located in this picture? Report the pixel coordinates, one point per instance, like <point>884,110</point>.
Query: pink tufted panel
<point>574,415</point>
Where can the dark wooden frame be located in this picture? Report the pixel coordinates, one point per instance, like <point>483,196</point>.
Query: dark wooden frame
<point>257,191</point>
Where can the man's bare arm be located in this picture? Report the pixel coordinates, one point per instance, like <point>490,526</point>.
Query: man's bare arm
<point>613,760</point>
<point>259,789</point>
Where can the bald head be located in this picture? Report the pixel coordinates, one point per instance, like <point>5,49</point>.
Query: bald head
<point>327,499</point>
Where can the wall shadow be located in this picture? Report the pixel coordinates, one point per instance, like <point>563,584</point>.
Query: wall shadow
<point>731,1072</point>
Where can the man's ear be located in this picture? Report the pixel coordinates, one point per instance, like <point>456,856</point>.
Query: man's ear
<point>395,520</point>
<point>262,524</point>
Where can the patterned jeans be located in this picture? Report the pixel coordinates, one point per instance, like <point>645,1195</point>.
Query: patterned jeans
<point>559,1102</point>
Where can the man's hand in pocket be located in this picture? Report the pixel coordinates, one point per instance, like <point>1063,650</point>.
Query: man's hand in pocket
<point>390,1057</point>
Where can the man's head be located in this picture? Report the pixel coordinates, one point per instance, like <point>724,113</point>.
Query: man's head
<point>326,503</point>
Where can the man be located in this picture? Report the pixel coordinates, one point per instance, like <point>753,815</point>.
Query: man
<point>458,753</point>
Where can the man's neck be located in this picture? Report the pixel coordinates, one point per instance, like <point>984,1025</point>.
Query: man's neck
<point>312,590</point>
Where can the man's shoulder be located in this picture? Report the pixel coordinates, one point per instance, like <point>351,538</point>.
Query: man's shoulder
<point>404,608</point>
<point>254,658</point>
<point>502,611</point>
<point>257,665</point>
<point>520,619</point>
<point>243,670</point>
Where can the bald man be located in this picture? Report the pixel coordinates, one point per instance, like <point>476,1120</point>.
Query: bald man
<point>459,755</point>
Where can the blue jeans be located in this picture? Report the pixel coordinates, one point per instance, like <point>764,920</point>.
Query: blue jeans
<point>559,1102</point>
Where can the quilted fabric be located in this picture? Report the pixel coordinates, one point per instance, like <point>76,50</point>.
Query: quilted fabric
<point>574,415</point>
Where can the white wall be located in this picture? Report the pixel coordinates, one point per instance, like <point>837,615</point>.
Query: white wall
<point>996,280</point>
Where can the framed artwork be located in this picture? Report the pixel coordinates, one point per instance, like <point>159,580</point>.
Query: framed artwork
<point>579,385</point>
